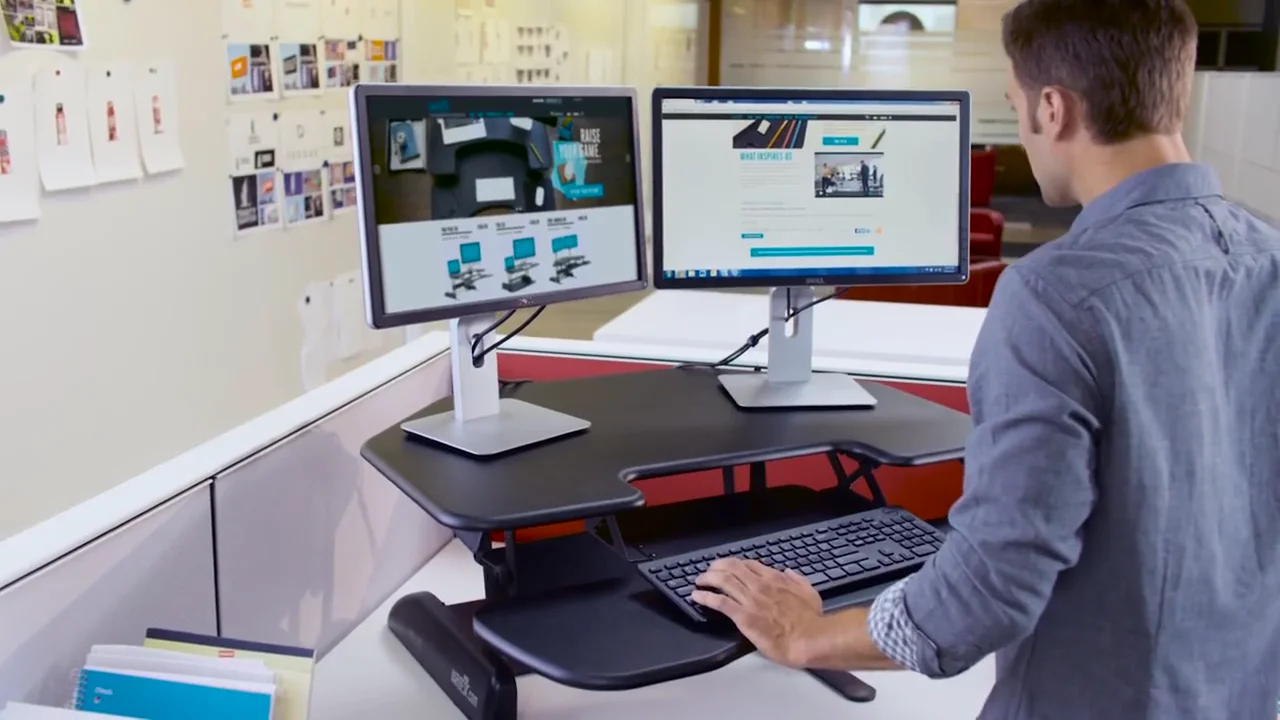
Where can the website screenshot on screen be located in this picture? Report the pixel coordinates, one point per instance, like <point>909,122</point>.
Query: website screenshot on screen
<point>783,188</point>
<point>484,198</point>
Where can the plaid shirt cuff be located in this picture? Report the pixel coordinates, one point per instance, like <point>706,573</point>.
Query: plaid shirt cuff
<point>891,628</point>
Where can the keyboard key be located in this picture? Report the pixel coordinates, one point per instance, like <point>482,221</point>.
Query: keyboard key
<point>816,578</point>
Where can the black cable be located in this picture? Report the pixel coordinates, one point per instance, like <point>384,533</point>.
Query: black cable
<point>509,387</point>
<point>756,337</point>
<point>477,356</point>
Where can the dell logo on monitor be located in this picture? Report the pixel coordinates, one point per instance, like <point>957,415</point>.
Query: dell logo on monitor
<point>816,281</point>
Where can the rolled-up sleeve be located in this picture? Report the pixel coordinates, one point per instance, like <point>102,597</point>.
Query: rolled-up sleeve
<point>1028,486</point>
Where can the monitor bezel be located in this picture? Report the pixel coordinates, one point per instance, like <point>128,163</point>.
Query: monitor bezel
<point>370,253</point>
<point>661,282</point>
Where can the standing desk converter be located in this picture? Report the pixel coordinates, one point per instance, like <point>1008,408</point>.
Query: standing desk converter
<point>574,609</point>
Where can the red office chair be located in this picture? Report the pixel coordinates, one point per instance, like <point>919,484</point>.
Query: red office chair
<point>986,233</point>
<point>982,177</point>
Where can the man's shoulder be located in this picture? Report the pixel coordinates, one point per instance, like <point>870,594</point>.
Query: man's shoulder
<point>1082,263</point>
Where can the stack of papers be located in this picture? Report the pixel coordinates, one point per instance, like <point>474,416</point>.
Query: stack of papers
<point>142,682</point>
<point>182,676</point>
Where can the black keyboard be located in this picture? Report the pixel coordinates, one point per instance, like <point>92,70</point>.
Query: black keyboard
<point>847,553</point>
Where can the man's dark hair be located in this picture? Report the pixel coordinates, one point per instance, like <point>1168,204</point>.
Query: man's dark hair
<point>1128,62</point>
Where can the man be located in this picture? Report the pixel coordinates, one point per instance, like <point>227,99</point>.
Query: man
<point>1117,545</point>
<point>864,177</point>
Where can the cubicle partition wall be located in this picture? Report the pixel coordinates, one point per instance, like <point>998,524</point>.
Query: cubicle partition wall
<point>279,532</point>
<point>310,538</point>
<point>273,531</point>
<point>155,570</point>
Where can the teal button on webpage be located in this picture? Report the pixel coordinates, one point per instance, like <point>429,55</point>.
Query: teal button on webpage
<point>840,141</point>
<point>752,236</point>
<point>838,251</point>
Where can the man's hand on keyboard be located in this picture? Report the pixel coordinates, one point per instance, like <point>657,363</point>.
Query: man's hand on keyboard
<point>776,611</point>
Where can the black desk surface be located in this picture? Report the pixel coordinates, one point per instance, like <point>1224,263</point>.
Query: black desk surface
<point>647,424</point>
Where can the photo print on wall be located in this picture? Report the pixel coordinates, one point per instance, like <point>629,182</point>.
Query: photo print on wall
<point>250,72</point>
<point>382,61</point>
<point>341,63</point>
<point>340,165</point>
<point>43,23</point>
<point>303,150</point>
<point>252,140</point>
<point>299,69</point>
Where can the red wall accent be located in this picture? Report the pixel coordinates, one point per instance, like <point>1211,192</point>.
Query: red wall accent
<point>926,491</point>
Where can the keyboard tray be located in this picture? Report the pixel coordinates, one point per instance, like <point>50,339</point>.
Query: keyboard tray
<point>617,633</point>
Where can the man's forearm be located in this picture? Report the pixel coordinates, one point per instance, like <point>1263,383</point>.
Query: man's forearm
<point>842,641</point>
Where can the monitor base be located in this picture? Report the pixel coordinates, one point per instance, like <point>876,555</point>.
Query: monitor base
<point>517,424</point>
<point>821,390</point>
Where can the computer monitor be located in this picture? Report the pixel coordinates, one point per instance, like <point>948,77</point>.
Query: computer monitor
<point>523,248</point>
<point>469,252</point>
<point>440,169</point>
<point>789,189</point>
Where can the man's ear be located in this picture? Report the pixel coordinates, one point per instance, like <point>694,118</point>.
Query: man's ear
<point>1059,113</point>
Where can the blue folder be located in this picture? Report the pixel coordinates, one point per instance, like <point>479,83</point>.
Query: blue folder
<point>142,697</point>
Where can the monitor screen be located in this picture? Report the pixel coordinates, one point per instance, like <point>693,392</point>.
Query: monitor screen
<point>488,176</point>
<point>759,187</point>
<point>523,248</point>
<point>469,252</point>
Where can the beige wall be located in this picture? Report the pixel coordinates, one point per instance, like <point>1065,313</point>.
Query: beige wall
<point>136,326</point>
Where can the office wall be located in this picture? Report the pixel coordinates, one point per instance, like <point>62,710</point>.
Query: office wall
<point>134,325</point>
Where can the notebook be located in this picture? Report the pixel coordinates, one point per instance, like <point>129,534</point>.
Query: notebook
<point>174,695</point>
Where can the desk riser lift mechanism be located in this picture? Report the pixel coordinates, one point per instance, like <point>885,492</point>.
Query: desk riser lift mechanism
<point>468,668</point>
<point>575,609</point>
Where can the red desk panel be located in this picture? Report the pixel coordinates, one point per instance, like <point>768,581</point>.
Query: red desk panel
<point>926,491</point>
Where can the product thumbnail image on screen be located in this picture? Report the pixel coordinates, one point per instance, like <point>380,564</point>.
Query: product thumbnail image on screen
<point>472,209</point>
<point>848,175</point>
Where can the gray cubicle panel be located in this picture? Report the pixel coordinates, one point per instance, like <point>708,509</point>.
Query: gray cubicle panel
<point>154,571</point>
<point>310,538</point>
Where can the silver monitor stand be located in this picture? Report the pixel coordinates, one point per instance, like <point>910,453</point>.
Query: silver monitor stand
<point>482,423</point>
<point>789,380</point>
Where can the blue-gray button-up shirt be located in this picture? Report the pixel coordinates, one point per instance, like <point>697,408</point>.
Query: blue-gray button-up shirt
<point>1117,545</point>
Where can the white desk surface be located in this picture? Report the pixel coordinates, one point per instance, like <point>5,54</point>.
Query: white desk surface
<point>369,675</point>
<point>900,339</point>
